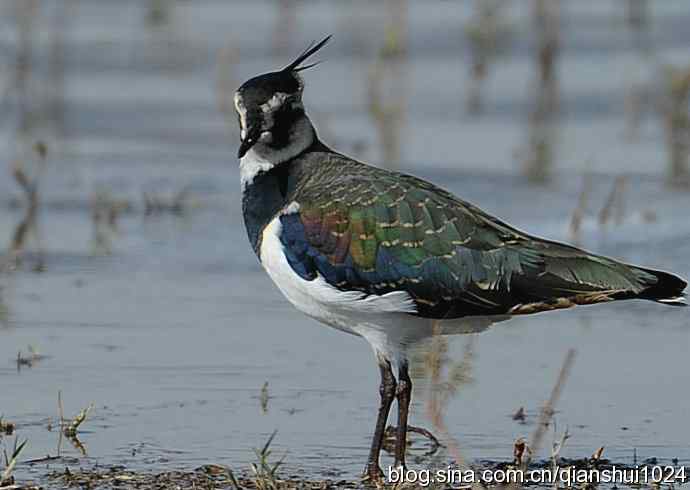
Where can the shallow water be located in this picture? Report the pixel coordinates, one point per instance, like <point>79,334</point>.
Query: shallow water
<point>173,334</point>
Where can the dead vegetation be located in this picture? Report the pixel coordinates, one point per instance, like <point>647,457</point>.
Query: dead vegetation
<point>442,390</point>
<point>176,204</point>
<point>105,214</point>
<point>262,475</point>
<point>638,14</point>
<point>4,309</point>
<point>30,360</point>
<point>487,35</point>
<point>386,86</point>
<point>580,210</point>
<point>69,428</point>
<point>547,411</point>
<point>613,211</point>
<point>214,476</point>
<point>677,125</point>
<point>27,227</point>
<point>6,427</point>
<point>264,397</point>
<point>267,473</point>
<point>10,461</point>
<point>546,98</point>
<point>446,379</point>
<point>669,102</point>
<point>206,477</point>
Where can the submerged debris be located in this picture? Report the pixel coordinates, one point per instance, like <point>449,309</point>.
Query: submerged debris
<point>6,428</point>
<point>519,415</point>
<point>29,361</point>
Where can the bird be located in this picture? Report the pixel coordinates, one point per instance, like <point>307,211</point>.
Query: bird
<point>386,256</point>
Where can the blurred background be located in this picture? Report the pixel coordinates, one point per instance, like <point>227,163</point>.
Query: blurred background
<point>127,280</point>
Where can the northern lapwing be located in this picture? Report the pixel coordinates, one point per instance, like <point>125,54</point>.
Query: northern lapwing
<point>383,255</point>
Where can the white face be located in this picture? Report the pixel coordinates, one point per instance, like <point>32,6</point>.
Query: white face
<point>268,110</point>
<point>258,116</point>
<point>242,113</point>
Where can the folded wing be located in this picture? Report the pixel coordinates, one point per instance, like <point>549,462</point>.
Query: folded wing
<point>374,231</point>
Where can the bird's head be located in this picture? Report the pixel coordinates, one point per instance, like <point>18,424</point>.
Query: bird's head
<point>271,115</point>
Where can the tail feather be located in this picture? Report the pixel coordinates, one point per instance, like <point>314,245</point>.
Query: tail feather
<point>677,301</point>
<point>669,289</point>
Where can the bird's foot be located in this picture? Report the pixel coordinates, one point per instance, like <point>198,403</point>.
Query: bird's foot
<point>390,434</point>
<point>373,475</point>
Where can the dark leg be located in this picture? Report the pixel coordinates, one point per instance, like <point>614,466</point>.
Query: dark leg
<point>404,393</point>
<point>387,391</point>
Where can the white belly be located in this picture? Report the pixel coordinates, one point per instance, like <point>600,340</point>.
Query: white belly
<point>384,321</point>
<point>377,318</point>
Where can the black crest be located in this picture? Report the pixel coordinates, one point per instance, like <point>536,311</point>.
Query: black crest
<point>259,89</point>
<point>311,49</point>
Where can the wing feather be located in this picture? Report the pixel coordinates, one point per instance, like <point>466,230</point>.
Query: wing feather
<point>375,231</point>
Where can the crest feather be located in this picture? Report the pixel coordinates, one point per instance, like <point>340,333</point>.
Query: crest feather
<point>311,49</point>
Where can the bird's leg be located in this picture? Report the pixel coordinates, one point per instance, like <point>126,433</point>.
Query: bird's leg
<point>403,392</point>
<point>387,391</point>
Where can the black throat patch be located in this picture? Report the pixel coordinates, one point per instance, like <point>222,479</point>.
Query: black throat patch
<point>263,199</point>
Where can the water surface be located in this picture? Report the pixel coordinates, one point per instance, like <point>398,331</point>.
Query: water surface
<point>173,333</point>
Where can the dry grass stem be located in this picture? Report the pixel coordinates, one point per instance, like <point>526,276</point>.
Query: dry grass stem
<point>580,210</point>
<point>486,33</point>
<point>264,397</point>
<point>386,90</point>
<point>71,429</point>
<point>677,125</point>
<point>440,391</point>
<point>28,224</point>
<point>543,116</point>
<point>6,478</point>
<point>547,410</point>
<point>615,203</point>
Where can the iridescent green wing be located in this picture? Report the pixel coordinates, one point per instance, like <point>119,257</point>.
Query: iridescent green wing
<point>370,230</point>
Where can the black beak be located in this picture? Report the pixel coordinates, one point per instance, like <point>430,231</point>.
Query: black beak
<point>245,146</point>
<point>250,139</point>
